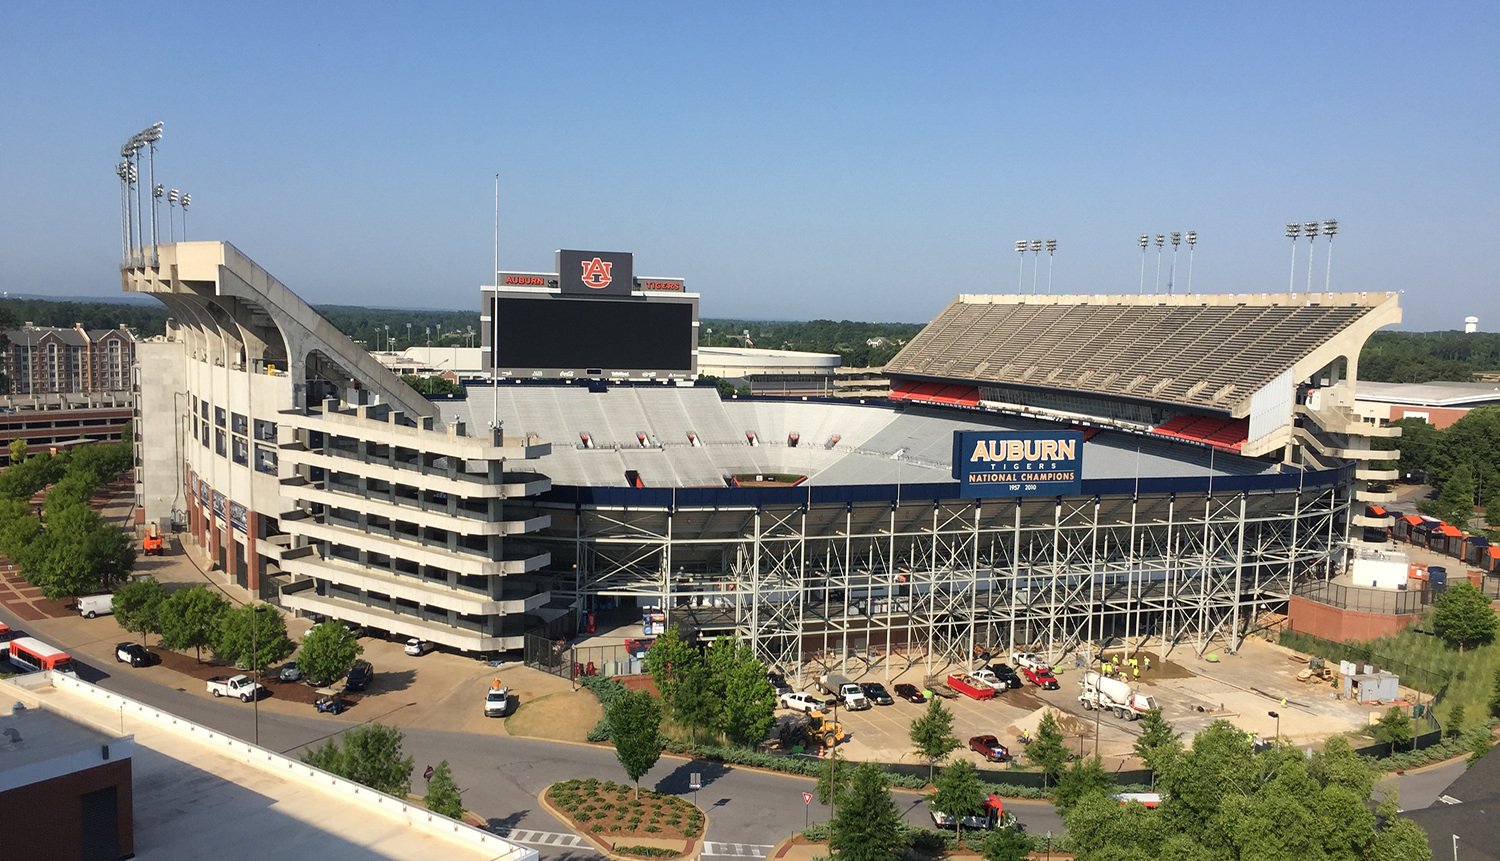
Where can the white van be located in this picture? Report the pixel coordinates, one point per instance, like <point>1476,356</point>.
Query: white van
<point>96,605</point>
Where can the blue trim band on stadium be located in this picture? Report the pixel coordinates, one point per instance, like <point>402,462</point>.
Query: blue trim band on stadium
<point>946,491</point>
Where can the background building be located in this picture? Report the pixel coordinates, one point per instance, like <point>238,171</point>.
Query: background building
<point>45,360</point>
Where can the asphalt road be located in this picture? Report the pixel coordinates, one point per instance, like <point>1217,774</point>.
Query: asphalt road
<point>501,777</point>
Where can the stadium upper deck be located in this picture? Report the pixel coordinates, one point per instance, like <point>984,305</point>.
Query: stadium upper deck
<point>1203,352</point>
<point>676,437</point>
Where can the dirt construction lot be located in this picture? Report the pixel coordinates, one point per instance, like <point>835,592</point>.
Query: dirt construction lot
<point>1191,691</point>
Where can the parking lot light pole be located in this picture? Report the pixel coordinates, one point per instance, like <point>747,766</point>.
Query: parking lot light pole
<point>1276,715</point>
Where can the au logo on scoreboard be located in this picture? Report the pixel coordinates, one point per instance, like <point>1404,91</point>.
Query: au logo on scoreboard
<point>1018,463</point>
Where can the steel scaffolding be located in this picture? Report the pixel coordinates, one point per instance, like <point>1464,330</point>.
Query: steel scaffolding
<point>888,584</point>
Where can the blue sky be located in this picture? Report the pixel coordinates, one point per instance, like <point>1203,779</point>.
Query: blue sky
<point>792,161</point>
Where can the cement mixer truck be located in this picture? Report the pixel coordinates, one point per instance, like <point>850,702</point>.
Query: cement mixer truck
<point>1107,694</point>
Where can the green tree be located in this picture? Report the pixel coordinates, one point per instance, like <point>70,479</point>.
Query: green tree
<point>1454,726</point>
<point>1394,728</point>
<point>932,735</point>
<point>1084,778</point>
<point>189,619</point>
<point>635,729</point>
<point>833,779</point>
<point>17,450</point>
<point>667,661</point>
<point>80,552</point>
<point>137,606</point>
<point>1220,758</point>
<point>443,796</point>
<point>1006,844</point>
<point>252,636</point>
<point>1158,744</point>
<point>695,703</point>
<point>1495,696</point>
<point>329,650</point>
<point>958,793</point>
<point>749,699</point>
<point>371,755</point>
<point>1479,747</point>
<point>865,824</point>
<point>1462,617</point>
<point>1455,504</point>
<point>1047,750</point>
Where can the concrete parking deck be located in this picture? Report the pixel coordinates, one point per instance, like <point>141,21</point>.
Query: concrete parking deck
<point>193,800</point>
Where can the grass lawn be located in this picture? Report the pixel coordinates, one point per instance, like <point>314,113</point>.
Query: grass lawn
<point>565,716</point>
<point>613,811</point>
<point>1473,679</point>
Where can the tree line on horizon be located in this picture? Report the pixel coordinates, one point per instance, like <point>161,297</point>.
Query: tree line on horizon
<point>1397,357</point>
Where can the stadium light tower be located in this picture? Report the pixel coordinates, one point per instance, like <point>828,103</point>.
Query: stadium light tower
<point>1051,249</point>
<point>1145,243</point>
<point>1020,270</point>
<point>1172,279</point>
<point>129,152</point>
<point>171,215</point>
<point>1293,230</point>
<point>1036,252</point>
<point>1311,229</point>
<point>1192,239</point>
<point>122,170</point>
<point>1160,241</point>
<point>184,202</point>
<point>1330,227</point>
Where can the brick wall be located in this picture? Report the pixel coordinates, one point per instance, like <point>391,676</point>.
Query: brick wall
<point>1331,623</point>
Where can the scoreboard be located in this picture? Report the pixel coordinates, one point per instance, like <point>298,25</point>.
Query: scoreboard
<point>592,319</point>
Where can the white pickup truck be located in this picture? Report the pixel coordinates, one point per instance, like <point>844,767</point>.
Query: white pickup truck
<point>992,680</point>
<point>235,686</point>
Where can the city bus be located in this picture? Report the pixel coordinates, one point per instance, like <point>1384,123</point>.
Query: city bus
<point>32,655</point>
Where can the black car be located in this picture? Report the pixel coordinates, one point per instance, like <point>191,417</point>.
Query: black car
<point>876,693</point>
<point>133,654</point>
<point>910,693</point>
<point>359,676</point>
<point>1004,673</point>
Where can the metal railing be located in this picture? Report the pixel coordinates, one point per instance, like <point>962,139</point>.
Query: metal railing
<point>1394,602</point>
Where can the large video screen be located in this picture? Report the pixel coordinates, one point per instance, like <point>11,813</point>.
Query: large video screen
<point>580,334</point>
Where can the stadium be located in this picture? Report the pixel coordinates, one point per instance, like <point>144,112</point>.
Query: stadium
<point>1220,466</point>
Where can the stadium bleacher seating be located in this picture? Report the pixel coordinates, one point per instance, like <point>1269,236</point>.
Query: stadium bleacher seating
<point>1202,355</point>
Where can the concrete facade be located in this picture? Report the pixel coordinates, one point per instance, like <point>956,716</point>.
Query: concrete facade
<point>307,471</point>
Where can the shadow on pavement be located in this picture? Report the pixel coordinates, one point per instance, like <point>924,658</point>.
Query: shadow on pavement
<point>393,680</point>
<point>678,782</point>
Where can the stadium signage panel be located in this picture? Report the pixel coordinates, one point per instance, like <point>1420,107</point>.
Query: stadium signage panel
<point>525,280</point>
<point>596,273</point>
<point>674,284</point>
<point>1017,463</point>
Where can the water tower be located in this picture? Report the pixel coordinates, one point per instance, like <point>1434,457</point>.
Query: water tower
<point>1471,325</point>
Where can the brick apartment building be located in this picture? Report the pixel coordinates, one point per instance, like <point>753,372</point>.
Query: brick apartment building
<point>47,360</point>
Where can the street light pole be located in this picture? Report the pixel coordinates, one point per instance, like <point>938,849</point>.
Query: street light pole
<point>1276,715</point>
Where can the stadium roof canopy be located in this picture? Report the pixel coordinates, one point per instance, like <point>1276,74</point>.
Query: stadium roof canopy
<point>1203,352</point>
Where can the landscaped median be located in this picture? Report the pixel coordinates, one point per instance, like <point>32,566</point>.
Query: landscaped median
<point>626,823</point>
